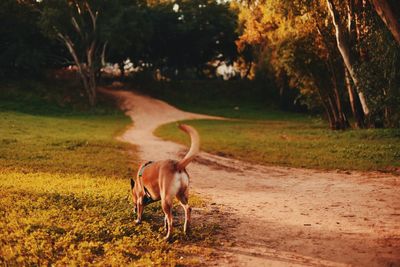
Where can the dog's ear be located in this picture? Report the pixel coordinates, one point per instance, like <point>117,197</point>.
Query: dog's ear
<point>132,183</point>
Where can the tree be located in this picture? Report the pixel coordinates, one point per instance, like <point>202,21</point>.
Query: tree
<point>80,25</point>
<point>309,43</point>
<point>189,34</point>
<point>342,39</point>
<point>362,44</point>
<point>23,48</point>
<point>297,46</point>
<point>130,31</point>
<point>343,44</point>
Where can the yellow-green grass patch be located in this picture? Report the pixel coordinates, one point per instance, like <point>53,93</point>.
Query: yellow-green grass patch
<point>72,219</point>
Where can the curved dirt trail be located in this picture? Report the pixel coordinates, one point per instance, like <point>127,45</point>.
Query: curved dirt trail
<point>277,216</point>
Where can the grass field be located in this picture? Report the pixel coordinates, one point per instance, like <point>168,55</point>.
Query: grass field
<point>64,191</point>
<point>296,143</point>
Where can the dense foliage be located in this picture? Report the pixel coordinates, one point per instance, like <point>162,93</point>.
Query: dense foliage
<point>338,54</point>
<point>24,50</point>
<point>195,33</point>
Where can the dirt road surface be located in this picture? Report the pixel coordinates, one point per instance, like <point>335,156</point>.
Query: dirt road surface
<point>278,216</point>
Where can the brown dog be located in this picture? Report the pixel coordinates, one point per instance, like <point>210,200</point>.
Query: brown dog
<point>165,180</point>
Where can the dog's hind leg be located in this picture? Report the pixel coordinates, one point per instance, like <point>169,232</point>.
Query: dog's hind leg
<point>166,223</point>
<point>167,208</point>
<point>188,210</point>
<point>183,199</point>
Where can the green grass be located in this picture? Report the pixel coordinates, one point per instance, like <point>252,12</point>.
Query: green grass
<point>63,144</point>
<point>64,187</point>
<point>303,143</point>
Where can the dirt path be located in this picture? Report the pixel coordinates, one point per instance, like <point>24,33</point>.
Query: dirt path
<point>276,216</point>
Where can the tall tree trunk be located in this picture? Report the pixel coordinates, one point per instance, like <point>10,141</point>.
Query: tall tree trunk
<point>328,105</point>
<point>344,49</point>
<point>86,71</point>
<point>91,73</point>
<point>354,103</point>
<point>342,121</point>
<point>335,114</point>
<point>328,111</point>
<point>92,88</point>
<point>284,96</point>
<point>391,109</point>
<point>338,103</point>
<point>382,7</point>
<point>82,70</point>
<point>246,75</point>
<point>122,69</point>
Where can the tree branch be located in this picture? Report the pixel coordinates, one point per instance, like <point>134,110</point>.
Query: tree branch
<point>92,16</point>
<point>384,10</point>
<point>70,46</point>
<point>77,27</point>
<point>103,54</point>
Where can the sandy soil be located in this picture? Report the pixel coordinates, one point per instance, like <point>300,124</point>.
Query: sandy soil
<point>277,216</point>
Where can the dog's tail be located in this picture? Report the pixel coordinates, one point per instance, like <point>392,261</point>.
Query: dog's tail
<point>194,147</point>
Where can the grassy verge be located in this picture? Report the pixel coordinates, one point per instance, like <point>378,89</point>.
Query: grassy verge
<point>64,193</point>
<point>296,143</point>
